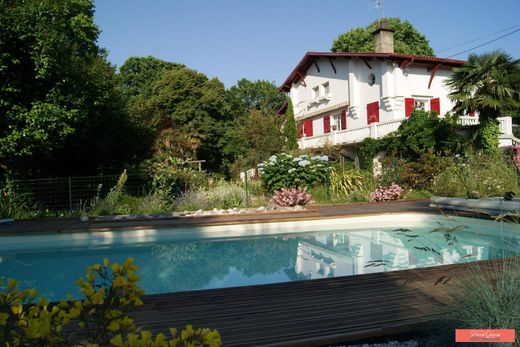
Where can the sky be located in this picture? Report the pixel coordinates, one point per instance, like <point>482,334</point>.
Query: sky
<point>265,39</point>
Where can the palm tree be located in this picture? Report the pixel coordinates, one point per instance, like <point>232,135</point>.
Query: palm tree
<point>489,84</point>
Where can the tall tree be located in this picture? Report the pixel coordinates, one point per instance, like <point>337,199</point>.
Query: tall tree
<point>188,112</point>
<point>407,39</point>
<point>487,83</point>
<point>290,130</point>
<point>259,95</point>
<point>55,83</point>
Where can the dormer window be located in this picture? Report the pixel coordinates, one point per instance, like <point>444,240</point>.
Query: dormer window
<point>326,88</point>
<point>315,92</point>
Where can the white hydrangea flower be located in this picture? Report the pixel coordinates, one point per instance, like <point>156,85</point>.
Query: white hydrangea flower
<point>304,163</point>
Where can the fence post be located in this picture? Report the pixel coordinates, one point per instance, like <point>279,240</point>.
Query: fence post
<point>70,194</point>
<point>247,188</point>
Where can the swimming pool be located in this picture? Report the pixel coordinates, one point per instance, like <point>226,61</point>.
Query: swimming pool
<point>194,258</point>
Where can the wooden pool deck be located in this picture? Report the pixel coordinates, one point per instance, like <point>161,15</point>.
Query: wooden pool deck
<point>312,313</point>
<point>306,313</point>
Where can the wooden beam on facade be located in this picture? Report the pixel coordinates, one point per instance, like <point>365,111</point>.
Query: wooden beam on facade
<point>432,74</point>
<point>302,77</point>
<point>332,64</point>
<point>367,64</point>
<point>316,64</point>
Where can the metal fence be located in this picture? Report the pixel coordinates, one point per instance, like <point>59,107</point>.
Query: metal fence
<point>70,193</point>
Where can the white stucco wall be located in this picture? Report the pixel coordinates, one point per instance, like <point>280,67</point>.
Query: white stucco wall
<point>349,89</point>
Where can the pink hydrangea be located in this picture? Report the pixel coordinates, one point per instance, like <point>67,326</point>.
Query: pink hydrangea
<point>386,193</point>
<point>292,197</point>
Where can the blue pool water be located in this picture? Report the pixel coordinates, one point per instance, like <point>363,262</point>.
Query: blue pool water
<point>194,264</point>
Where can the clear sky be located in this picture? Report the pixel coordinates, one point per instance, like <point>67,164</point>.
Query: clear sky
<point>265,39</point>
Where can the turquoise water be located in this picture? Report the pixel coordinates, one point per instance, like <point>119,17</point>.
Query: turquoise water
<point>173,266</point>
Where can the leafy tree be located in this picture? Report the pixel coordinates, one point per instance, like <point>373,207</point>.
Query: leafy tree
<point>55,87</point>
<point>489,84</point>
<point>290,131</point>
<point>258,95</point>
<point>137,75</point>
<point>188,113</point>
<point>407,39</point>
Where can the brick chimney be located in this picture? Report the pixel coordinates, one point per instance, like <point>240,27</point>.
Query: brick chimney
<point>383,37</point>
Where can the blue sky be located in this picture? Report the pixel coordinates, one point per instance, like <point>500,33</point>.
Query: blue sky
<point>265,39</point>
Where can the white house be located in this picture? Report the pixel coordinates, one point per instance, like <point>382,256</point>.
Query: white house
<point>343,98</point>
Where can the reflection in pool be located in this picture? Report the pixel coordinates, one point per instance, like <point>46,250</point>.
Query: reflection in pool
<point>219,263</point>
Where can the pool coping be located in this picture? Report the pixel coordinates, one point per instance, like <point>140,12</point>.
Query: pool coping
<point>326,211</point>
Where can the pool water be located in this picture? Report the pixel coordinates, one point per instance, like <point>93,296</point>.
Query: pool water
<point>174,265</point>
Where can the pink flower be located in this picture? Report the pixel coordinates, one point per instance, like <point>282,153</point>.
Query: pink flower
<point>386,193</point>
<point>292,197</point>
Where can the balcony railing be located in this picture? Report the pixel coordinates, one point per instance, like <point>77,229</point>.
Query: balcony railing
<point>378,130</point>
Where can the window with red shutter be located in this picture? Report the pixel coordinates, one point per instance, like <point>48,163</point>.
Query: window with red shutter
<point>343,120</point>
<point>409,105</point>
<point>435,105</point>
<point>373,112</point>
<point>307,128</point>
<point>300,130</point>
<point>326,124</point>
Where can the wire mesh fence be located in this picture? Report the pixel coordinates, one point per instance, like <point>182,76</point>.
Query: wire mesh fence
<point>70,193</point>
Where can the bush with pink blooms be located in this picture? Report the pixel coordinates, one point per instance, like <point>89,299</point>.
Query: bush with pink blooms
<point>292,197</point>
<point>386,193</point>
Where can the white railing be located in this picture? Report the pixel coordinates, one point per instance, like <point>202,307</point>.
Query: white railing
<point>378,130</point>
<point>466,121</point>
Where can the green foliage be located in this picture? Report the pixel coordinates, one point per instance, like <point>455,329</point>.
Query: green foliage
<point>407,39</point>
<point>12,204</point>
<point>419,174</point>
<point>487,175</point>
<point>489,299</point>
<point>345,181</point>
<point>369,149</point>
<point>56,87</point>
<point>220,195</point>
<point>259,95</point>
<point>172,176</point>
<point>113,203</point>
<point>285,171</point>
<point>487,83</point>
<point>253,138</point>
<point>110,291</point>
<point>137,75</point>
<point>290,131</point>
<point>489,132</point>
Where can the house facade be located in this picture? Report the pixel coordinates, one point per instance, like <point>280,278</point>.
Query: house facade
<point>343,98</point>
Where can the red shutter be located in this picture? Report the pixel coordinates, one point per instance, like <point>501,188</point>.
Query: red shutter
<point>435,105</point>
<point>409,104</point>
<point>343,120</point>
<point>300,130</point>
<point>307,127</point>
<point>326,124</point>
<point>471,114</point>
<point>373,112</point>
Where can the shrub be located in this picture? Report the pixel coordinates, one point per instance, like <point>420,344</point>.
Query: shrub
<point>13,204</point>
<point>419,174</point>
<point>172,176</point>
<point>344,181</point>
<point>393,192</point>
<point>486,175</point>
<point>286,171</point>
<point>220,195</point>
<point>108,291</point>
<point>489,299</point>
<point>114,202</point>
<point>292,197</point>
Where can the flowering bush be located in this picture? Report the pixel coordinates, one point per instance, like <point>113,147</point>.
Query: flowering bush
<point>285,171</point>
<point>386,193</point>
<point>292,197</point>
